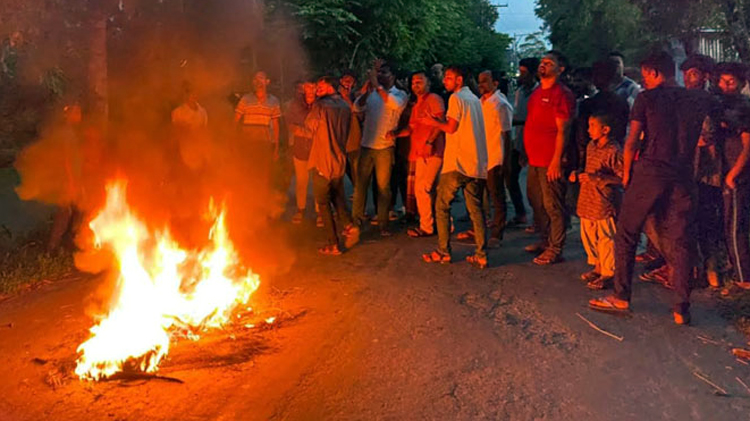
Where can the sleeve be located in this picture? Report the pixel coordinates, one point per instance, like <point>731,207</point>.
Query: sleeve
<point>397,99</point>
<point>615,162</point>
<point>240,109</point>
<point>437,106</point>
<point>276,109</point>
<point>506,116</point>
<point>638,113</point>
<point>455,108</point>
<point>359,108</point>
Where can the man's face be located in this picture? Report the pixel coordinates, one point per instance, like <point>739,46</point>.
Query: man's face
<point>348,81</point>
<point>651,78</point>
<point>729,84</point>
<point>451,81</point>
<point>419,84</point>
<point>694,78</point>
<point>385,76</point>
<point>620,65</point>
<point>549,67</point>
<point>323,88</point>
<point>260,81</point>
<point>486,84</point>
<point>309,90</point>
<point>437,71</point>
<point>524,75</point>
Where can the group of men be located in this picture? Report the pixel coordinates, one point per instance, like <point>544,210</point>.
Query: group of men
<point>672,151</point>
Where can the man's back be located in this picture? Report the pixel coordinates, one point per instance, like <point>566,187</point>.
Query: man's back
<point>466,149</point>
<point>329,120</point>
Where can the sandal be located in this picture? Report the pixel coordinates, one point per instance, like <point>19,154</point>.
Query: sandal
<point>418,232</point>
<point>548,258</point>
<point>330,250</point>
<point>474,260</point>
<point>437,257</point>
<point>600,283</point>
<point>466,235</point>
<point>609,304</point>
<point>589,276</point>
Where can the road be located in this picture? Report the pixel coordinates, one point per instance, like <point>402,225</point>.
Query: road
<point>378,334</point>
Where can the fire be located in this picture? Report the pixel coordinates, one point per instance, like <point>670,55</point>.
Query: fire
<point>161,287</point>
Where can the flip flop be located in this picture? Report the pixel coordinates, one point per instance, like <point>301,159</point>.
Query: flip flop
<point>418,232</point>
<point>607,305</point>
<point>330,250</point>
<point>436,257</point>
<point>474,260</point>
<point>466,235</point>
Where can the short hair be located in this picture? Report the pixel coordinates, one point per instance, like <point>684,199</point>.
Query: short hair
<point>616,53</point>
<point>329,80</point>
<point>348,72</point>
<point>531,63</point>
<point>605,118</point>
<point>701,62</point>
<point>603,73</point>
<point>496,75</point>
<point>419,72</point>
<point>738,70</point>
<point>559,57</point>
<point>661,62</point>
<point>459,71</point>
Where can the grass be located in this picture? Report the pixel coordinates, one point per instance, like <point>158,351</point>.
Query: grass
<point>25,261</point>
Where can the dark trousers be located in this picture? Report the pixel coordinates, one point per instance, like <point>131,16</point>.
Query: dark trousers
<point>399,178</point>
<point>331,192</point>
<point>448,186</point>
<point>710,227</point>
<point>737,226</point>
<point>379,162</point>
<point>496,189</point>
<point>675,202</point>
<point>512,169</point>
<point>548,201</point>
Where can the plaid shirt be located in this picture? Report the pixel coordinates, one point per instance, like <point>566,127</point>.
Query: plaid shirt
<point>599,198</point>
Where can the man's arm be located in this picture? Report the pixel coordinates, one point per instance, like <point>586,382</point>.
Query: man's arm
<point>632,144</point>
<point>554,171</point>
<point>741,163</point>
<point>449,126</point>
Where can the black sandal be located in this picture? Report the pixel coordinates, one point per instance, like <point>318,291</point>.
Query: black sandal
<point>418,232</point>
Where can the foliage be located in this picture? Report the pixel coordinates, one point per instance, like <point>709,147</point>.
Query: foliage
<point>24,262</point>
<point>532,45</point>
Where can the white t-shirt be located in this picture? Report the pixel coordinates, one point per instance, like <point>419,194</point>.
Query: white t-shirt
<point>466,149</point>
<point>189,118</point>
<point>498,119</point>
<point>381,117</point>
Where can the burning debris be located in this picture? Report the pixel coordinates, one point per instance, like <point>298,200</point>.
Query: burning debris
<point>161,288</point>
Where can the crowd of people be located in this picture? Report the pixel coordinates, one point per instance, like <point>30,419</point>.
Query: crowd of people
<point>662,160</point>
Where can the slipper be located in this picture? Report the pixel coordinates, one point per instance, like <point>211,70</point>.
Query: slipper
<point>609,304</point>
<point>548,258</point>
<point>466,235</point>
<point>330,250</point>
<point>418,232</point>
<point>474,260</point>
<point>600,283</point>
<point>436,257</point>
<point>589,276</point>
<point>535,248</point>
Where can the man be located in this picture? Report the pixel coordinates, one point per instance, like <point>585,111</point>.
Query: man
<point>734,136</point>
<point>300,143</point>
<point>347,84</point>
<point>498,122</point>
<point>190,115</point>
<point>258,114</point>
<point>382,104</point>
<point>550,111</point>
<point>328,123</point>
<point>464,166</point>
<point>427,146</point>
<point>661,181</point>
<point>625,87</point>
<point>527,82</point>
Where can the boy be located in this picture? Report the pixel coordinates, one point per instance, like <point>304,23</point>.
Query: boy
<point>598,200</point>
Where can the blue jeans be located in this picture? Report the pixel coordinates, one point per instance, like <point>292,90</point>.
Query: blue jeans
<point>447,188</point>
<point>379,161</point>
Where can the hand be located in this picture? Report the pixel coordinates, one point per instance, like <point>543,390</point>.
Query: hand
<point>554,171</point>
<point>584,177</point>
<point>377,64</point>
<point>625,180</point>
<point>426,150</point>
<point>731,180</point>
<point>428,121</point>
<point>391,135</point>
<point>365,88</point>
<point>573,177</point>
<point>344,92</point>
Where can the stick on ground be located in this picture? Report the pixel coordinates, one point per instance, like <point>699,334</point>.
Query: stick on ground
<point>743,384</point>
<point>705,379</point>
<point>598,329</point>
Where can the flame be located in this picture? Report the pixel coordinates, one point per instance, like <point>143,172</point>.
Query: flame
<point>161,287</point>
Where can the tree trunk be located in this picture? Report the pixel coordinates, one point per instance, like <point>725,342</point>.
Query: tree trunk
<point>98,68</point>
<point>735,17</point>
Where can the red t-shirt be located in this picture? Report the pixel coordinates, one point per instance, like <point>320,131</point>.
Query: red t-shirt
<point>429,106</point>
<point>540,130</point>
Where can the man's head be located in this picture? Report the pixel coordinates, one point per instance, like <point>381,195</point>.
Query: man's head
<point>261,81</point>
<point>348,80</point>
<point>600,125</point>
<point>619,60</point>
<point>552,65</point>
<point>656,69</point>
<point>437,71</point>
<point>309,92</point>
<point>420,83</point>
<point>731,77</point>
<point>326,86</point>
<point>604,74</point>
<point>386,77</point>
<point>527,69</point>
<point>454,78</point>
<point>488,82</point>
<point>697,70</point>
<point>188,95</point>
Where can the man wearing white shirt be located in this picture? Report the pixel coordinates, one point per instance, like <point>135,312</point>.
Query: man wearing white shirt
<point>498,123</point>
<point>382,104</point>
<point>464,166</point>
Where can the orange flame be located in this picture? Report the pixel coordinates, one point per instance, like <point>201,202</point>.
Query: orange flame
<point>160,287</point>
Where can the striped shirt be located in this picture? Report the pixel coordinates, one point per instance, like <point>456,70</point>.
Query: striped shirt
<point>256,117</point>
<point>599,199</point>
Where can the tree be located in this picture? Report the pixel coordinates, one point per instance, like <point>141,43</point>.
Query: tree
<point>532,45</point>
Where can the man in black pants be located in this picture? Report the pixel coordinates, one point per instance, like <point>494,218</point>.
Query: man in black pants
<point>661,181</point>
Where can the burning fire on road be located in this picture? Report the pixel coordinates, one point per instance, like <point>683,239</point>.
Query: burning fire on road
<point>161,288</point>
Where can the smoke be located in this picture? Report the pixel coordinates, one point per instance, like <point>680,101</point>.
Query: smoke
<point>173,174</point>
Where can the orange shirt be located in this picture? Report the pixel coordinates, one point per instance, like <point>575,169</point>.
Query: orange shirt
<point>430,105</point>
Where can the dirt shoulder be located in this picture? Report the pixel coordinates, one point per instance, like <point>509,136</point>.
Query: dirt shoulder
<point>377,334</point>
